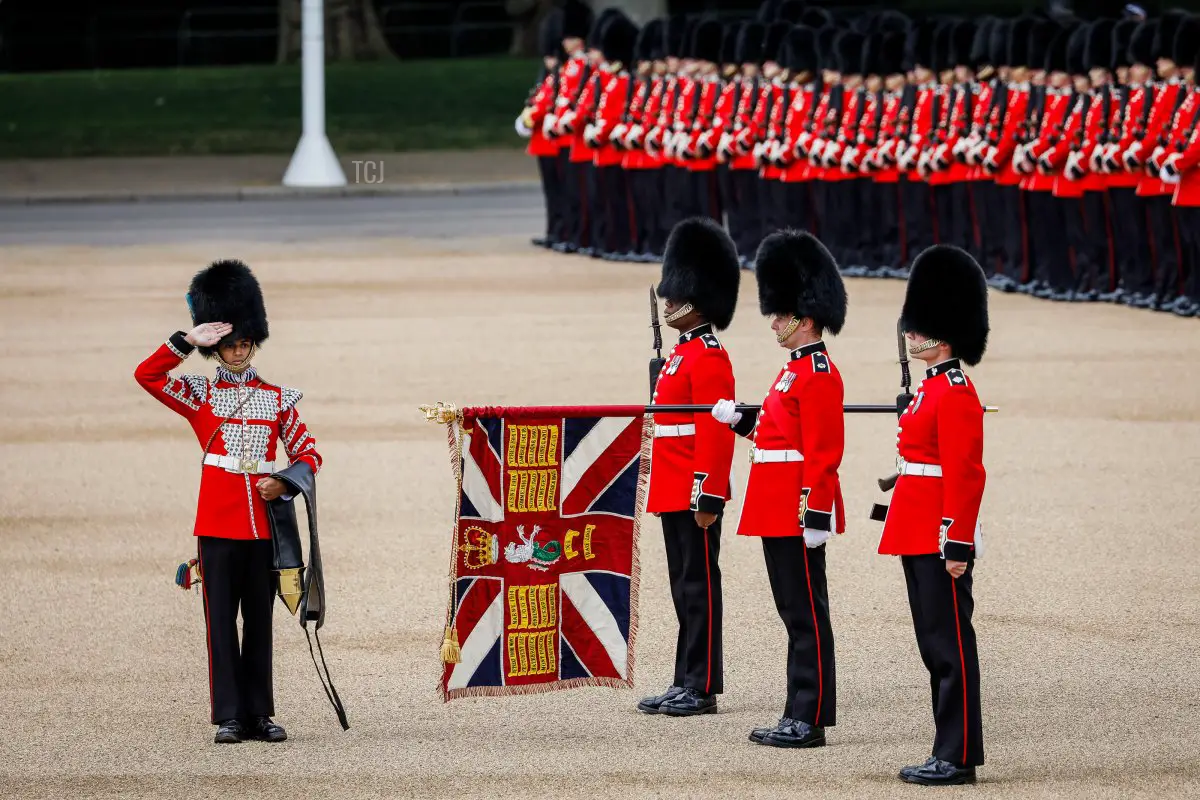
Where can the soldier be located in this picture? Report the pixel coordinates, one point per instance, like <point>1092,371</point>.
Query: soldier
<point>767,127</point>
<point>737,142</point>
<point>880,160</point>
<point>643,172</point>
<point>932,523</point>
<point>530,125</point>
<point>559,126</point>
<point>795,172</point>
<point>1181,169</point>
<point>695,148</point>
<point>243,424</point>
<point>794,497</point>
<point>692,455</point>
<point>616,92</point>
<point>916,129</point>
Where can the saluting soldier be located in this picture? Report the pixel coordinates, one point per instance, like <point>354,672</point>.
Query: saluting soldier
<point>933,520</point>
<point>244,424</point>
<point>692,455</point>
<point>794,497</point>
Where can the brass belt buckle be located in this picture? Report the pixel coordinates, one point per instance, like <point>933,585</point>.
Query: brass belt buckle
<point>899,465</point>
<point>249,466</point>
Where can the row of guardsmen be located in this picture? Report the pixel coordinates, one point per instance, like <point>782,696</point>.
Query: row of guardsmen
<point>1062,153</point>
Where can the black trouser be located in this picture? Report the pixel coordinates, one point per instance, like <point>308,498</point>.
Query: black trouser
<point>728,200</point>
<point>1051,250</point>
<point>801,592</point>
<point>941,610</point>
<point>919,219</point>
<point>576,219</point>
<point>597,200</point>
<point>1132,259</point>
<point>647,207</point>
<point>1016,262</point>
<point>1075,228</point>
<point>1095,273</point>
<point>236,572</point>
<point>781,213</point>
<point>1189,235</point>
<point>692,565</point>
<point>613,202</point>
<point>548,168</point>
<point>955,225</point>
<point>1164,238</point>
<point>876,228</point>
<point>747,212</point>
<point>797,206</point>
<point>706,195</point>
<point>838,222</point>
<point>990,208</point>
<point>680,196</point>
<point>768,208</point>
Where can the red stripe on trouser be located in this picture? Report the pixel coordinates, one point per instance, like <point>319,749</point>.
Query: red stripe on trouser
<point>212,707</point>
<point>962,665</point>
<point>708,586</point>
<point>817,635</point>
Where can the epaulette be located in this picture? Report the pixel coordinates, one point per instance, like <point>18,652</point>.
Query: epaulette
<point>820,362</point>
<point>710,341</point>
<point>957,377</point>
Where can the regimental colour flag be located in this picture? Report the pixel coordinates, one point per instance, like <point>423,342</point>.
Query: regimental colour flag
<point>544,579</point>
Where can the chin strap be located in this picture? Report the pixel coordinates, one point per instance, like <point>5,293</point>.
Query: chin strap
<point>680,313</point>
<point>245,365</point>
<point>787,332</point>
<point>928,344</point>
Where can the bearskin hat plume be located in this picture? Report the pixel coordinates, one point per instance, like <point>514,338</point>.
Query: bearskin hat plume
<point>227,291</point>
<point>798,276</point>
<point>700,266</point>
<point>947,299</point>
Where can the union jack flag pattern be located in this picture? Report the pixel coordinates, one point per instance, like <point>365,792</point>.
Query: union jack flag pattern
<point>545,568</point>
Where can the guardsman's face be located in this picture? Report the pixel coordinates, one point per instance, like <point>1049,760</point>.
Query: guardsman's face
<point>1166,68</point>
<point>685,323</point>
<point>551,62</point>
<point>962,74</point>
<point>572,45</point>
<point>1139,73</point>
<point>933,355</point>
<point>1098,76</point>
<point>1082,84</point>
<point>874,83</point>
<point>894,83</point>
<point>235,352</point>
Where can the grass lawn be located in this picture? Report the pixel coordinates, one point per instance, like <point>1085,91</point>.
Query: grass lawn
<point>418,105</point>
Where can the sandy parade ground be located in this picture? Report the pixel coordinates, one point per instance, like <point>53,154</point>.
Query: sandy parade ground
<point>1087,597</point>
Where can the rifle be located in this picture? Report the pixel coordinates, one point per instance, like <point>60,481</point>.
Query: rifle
<point>904,398</point>
<point>656,363</point>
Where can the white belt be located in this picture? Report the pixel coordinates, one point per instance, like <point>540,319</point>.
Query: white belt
<point>774,456</point>
<point>670,431</point>
<point>922,470</point>
<point>235,464</point>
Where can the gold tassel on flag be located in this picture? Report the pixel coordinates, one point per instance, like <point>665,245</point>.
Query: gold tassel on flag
<point>450,650</point>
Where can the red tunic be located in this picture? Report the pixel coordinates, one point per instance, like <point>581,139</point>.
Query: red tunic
<point>692,453</point>
<point>1000,156</point>
<point>1162,111</point>
<point>615,90</point>
<point>802,414</point>
<point>942,426</point>
<point>229,507</point>
<point>1184,154</point>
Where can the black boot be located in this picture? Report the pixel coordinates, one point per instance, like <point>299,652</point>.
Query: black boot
<point>689,703</point>
<point>651,704</point>
<point>797,734</point>
<point>758,734</point>
<point>264,730</point>
<point>936,772</point>
<point>230,732</point>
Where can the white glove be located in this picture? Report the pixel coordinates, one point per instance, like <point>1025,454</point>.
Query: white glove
<point>548,124</point>
<point>1167,176</point>
<point>725,412</point>
<point>522,131</point>
<point>815,538</point>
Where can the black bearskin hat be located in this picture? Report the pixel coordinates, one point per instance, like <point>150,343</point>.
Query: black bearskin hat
<point>1041,35</point>
<point>550,33</point>
<point>1020,33</point>
<point>649,45</point>
<point>816,18</point>
<point>674,36</point>
<point>700,266</point>
<point>797,276</point>
<point>849,48</point>
<point>1122,35</point>
<point>790,11</point>
<point>618,39</point>
<point>870,64</point>
<point>595,37</point>
<point>729,42</point>
<point>1076,51</point>
<point>227,291</point>
<point>1187,39</point>
<point>1164,33</point>
<point>890,58</point>
<point>773,41</point>
<point>767,11</point>
<point>981,45</point>
<point>947,299</point>
<point>750,43</point>
<point>892,22</point>
<point>800,50</point>
<point>1056,53</point>
<point>962,39</point>
<point>577,20</point>
<point>706,43</point>
<point>943,45</point>
<point>827,47</point>
<point>919,46</point>
<point>1099,51</point>
<point>1141,43</point>
<point>998,42</point>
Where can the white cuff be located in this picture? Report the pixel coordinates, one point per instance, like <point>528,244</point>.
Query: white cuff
<point>815,538</point>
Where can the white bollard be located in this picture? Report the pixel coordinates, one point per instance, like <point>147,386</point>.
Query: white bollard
<point>314,162</point>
